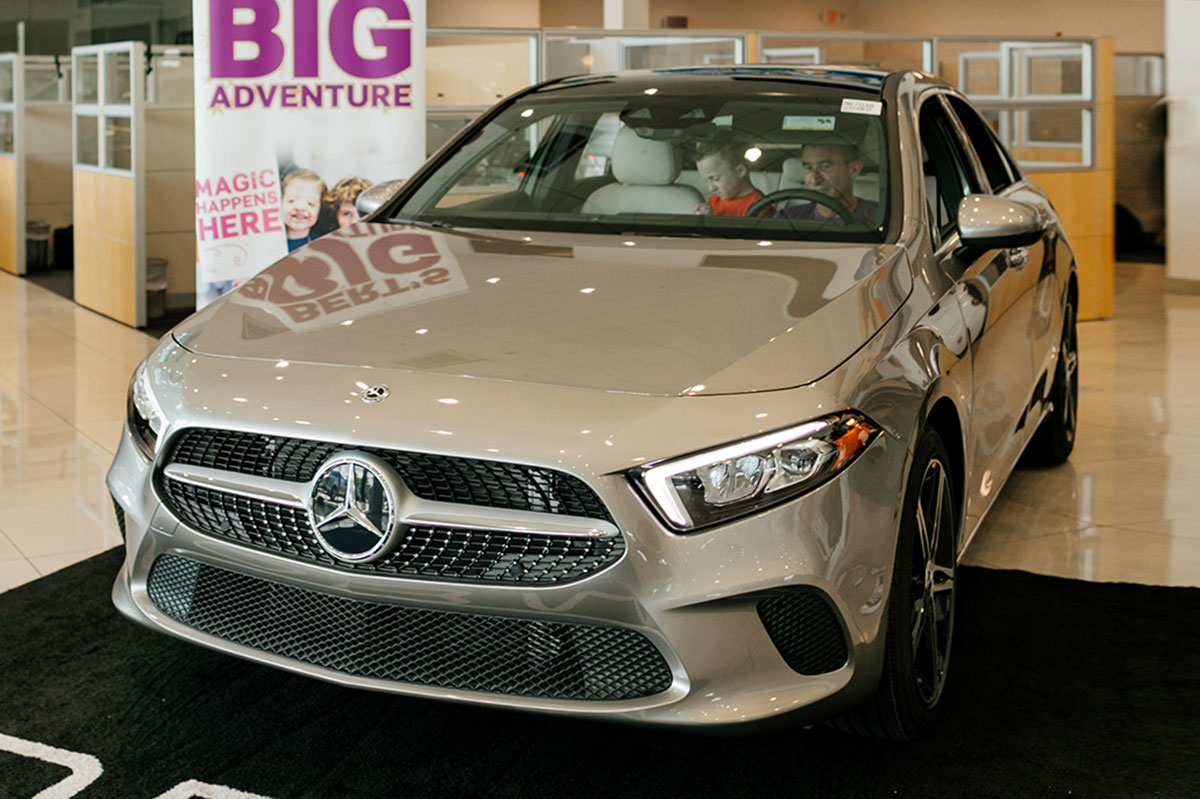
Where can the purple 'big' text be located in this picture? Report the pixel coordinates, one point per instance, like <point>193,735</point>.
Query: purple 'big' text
<point>225,32</point>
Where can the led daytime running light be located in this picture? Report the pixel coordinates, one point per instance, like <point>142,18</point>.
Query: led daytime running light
<point>755,472</point>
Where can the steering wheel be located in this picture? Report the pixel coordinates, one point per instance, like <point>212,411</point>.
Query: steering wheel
<point>837,206</point>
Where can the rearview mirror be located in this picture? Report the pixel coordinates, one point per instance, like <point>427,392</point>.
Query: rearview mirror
<point>372,197</point>
<point>987,221</point>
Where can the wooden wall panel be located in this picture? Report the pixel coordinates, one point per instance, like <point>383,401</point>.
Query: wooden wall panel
<point>8,216</point>
<point>105,271</point>
<point>171,199</point>
<point>1084,201</point>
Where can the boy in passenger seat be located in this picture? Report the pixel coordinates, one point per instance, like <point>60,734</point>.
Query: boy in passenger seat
<point>722,163</point>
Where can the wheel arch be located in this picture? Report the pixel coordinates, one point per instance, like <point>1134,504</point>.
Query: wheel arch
<point>1073,288</point>
<point>943,417</point>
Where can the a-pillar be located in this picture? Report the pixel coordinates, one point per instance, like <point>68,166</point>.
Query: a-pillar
<point>1183,142</point>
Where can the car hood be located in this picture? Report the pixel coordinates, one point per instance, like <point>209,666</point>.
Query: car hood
<point>641,315</point>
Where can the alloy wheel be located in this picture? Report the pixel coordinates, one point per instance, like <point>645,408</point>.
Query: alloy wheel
<point>933,567</point>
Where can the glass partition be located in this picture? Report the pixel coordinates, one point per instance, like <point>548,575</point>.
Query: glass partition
<point>8,131</point>
<point>1038,95</point>
<point>170,80</point>
<point>87,140</point>
<point>474,69</point>
<point>8,107</point>
<point>117,143</point>
<point>87,79</point>
<point>116,78</point>
<point>103,107</point>
<point>47,80</point>
<point>594,51</point>
<point>880,51</point>
<point>7,71</point>
<point>1138,75</point>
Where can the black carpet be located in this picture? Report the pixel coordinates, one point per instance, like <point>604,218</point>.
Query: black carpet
<point>1060,688</point>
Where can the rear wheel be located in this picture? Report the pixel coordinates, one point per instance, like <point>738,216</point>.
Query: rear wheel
<point>1054,440</point>
<point>920,614</point>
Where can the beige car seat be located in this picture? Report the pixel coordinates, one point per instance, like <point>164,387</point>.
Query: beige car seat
<point>645,170</point>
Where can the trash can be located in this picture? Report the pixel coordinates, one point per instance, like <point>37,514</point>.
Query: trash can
<point>37,245</point>
<point>156,287</point>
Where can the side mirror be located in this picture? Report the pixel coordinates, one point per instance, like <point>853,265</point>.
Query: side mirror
<point>371,198</point>
<point>997,222</point>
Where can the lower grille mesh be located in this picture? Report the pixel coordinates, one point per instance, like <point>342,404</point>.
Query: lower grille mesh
<point>805,630</point>
<point>491,654</point>
<point>120,516</point>
<point>424,553</point>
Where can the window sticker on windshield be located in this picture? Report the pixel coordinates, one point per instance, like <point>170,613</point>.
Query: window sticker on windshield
<point>872,107</point>
<point>808,123</point>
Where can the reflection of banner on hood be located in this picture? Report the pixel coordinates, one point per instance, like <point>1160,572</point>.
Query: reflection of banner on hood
<point>354,272</point>
<point>299,104</point>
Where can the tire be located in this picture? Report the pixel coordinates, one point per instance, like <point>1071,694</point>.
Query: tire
<point>1054,440</point>
<point>920,610</point>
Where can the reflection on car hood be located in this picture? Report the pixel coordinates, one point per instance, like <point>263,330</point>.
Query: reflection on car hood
<point>660,316</point>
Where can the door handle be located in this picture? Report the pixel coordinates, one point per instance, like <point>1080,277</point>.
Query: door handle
<point>1017,256</point>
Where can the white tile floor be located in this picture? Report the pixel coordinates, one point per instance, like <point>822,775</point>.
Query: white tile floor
<point>1126,507</point>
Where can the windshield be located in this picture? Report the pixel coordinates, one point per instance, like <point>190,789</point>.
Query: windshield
<point>756,159</point>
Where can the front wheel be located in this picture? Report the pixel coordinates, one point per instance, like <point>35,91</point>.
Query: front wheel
<point>920,611</point>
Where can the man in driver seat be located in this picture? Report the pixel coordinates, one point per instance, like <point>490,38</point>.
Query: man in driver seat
<point>831,169</point>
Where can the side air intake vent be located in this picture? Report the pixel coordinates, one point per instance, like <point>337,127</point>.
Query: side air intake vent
<point>804,629</point>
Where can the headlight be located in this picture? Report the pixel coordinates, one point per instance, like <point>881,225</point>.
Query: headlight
<point>146,419</point>
<point>736,479</point>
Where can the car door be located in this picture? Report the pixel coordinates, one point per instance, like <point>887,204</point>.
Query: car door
<point>997,304</point>
<point>1039,271</point>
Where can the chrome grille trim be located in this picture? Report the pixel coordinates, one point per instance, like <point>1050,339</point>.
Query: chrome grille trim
<point>444,554</point>
<point>458,480</point>
<point>266,489</point>
<point>412,509</point>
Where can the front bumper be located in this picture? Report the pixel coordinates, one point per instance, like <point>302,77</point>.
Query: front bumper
<point>696,599</point>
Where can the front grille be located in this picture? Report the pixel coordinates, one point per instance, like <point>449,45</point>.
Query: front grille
<point>804,629</point>
<point>464,651</point>
<point>467,481</point>
<point>424,552</point>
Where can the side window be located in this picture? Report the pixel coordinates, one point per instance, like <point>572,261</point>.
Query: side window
<point>947,177</point>
<point>995,163</point>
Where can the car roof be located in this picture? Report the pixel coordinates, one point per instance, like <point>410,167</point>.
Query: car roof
<point>855,77</point>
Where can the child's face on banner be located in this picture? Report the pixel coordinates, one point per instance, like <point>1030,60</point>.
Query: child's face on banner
<point>347,215</point>
<point>301,200</point>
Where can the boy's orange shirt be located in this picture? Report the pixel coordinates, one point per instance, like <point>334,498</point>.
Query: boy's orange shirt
<point>735,207</point>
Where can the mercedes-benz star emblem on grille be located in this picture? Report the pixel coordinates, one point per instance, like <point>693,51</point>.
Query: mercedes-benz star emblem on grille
<point>376,393</point>
<point>353,509</point>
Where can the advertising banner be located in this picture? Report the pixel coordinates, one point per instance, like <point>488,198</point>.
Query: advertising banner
<point>300,105</point>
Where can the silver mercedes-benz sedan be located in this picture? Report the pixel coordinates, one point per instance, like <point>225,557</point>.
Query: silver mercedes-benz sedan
<point>669,396</point>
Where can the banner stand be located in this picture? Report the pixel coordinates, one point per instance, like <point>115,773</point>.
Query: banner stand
<point>298,108</point>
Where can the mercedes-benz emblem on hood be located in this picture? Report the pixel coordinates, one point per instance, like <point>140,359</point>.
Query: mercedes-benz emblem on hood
<point>375,393</point>
<point>353,508</point>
